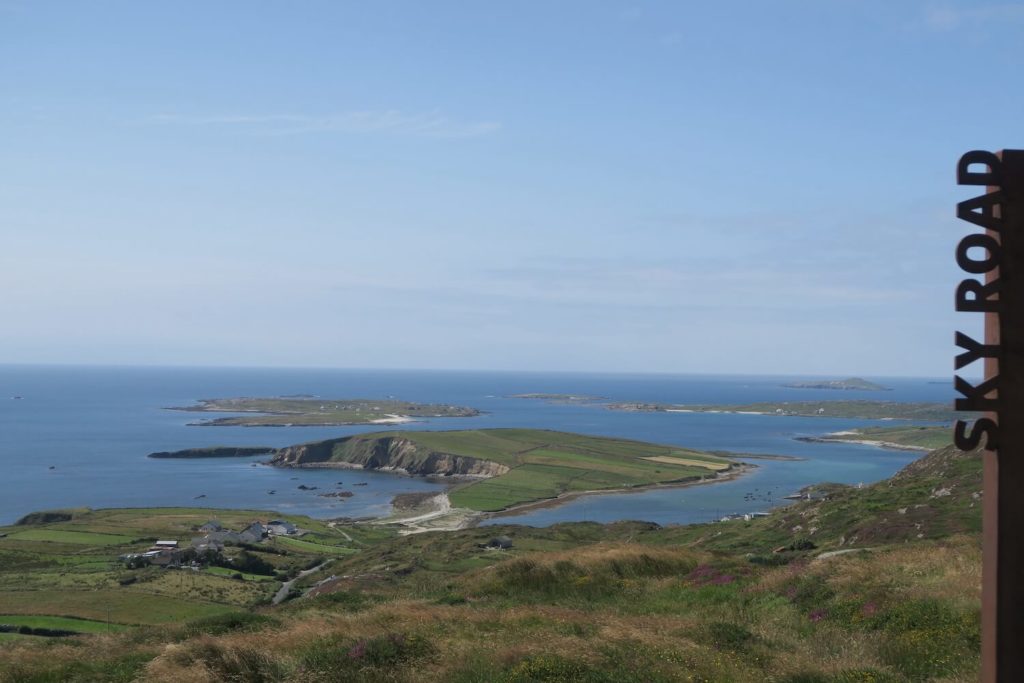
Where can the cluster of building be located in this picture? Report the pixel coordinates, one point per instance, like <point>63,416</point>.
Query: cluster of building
<point>212,542</point>
<point>745,516</point>
<point>160,554</point>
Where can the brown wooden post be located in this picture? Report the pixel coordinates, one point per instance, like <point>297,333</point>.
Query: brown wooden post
<point>998,253</point>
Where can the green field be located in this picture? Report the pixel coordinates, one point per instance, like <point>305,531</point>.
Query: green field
<point>928,438</point>
<point>224,571</point>
<point>318,411</point>
<point>59,570</point>
<point>521,465</point>
<point>545,464</point>
<point>308,546</point>
<point>632,602</point>
<point>78,537</point>
<point>61,623</point>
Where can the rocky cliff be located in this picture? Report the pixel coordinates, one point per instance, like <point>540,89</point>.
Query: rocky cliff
<point>387,453</point>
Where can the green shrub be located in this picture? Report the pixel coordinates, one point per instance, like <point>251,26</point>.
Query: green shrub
<point>552,669</point>
<point>348,601</point>
<point>232,663</point>
<point>226,623</point>
<point>725,635</point>
<point>118,670</point>
<point>340,660</point>
<point>451,599</point>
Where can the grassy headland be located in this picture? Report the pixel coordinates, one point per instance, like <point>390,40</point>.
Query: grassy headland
<point>910,437</point>
<point>318,412</point>
<point>765,600</point>
<point>513,466</point>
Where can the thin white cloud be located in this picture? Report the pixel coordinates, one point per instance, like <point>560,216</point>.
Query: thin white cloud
<point>393,122</point>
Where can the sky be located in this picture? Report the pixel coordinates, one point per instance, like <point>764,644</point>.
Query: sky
<point>669,187</point>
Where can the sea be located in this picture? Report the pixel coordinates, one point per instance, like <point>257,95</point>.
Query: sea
<point>75,437</point>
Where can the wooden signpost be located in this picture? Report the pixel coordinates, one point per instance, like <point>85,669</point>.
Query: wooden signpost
<point>994,261</point>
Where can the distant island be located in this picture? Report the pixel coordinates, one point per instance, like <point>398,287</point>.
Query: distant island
<point>561,398</point>
<point>318,412</point>
<point>850,384</point>
<point>867,410</point>
<point>214,452</point>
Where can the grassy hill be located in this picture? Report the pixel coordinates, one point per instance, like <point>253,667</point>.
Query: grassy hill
<point>766,600</point>
<point>914,436</point>
<point>520,465</point>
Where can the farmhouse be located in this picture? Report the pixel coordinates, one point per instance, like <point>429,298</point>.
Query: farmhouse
<point>280,527</point>
<point>253,533</point>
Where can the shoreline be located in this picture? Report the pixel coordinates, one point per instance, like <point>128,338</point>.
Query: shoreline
<point>230,422</point>
<point>888,445</point>
<point>437,514</point>
<point>728,475</point>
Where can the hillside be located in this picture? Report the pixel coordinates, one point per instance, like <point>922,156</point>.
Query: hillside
<point>632,602</point>
<point>934,497</point>
<point>513,466</point>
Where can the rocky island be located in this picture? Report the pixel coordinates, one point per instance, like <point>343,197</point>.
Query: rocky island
<point>318,412</point>
<point>850,384</point>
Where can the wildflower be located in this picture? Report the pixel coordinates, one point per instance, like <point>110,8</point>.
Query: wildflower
<point>358,650</point>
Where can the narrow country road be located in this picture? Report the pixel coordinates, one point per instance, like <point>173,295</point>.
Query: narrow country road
<point>286,586</point>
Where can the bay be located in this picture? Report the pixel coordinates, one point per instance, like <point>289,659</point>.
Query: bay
<point>95,425</point>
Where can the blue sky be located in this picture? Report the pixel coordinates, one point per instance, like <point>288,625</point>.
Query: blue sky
<point>741,187</point>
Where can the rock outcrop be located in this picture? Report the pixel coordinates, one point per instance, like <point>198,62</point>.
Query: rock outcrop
<point>386,453</point>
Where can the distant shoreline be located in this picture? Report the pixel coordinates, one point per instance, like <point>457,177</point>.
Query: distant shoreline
<point>888,445</point>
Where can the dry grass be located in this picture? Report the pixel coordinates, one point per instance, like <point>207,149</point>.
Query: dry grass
<point>662,614</point>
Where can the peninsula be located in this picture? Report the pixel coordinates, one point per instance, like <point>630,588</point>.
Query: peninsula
<point>500,468</point>
<point>904,438</point>
<point>318,412</point>
<point>214,452</point>
<point>851,384</point>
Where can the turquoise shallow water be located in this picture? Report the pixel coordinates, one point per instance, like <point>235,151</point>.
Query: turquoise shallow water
<point>95,425</point>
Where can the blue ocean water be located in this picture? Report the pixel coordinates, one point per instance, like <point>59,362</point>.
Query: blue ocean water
<point>94,427</point>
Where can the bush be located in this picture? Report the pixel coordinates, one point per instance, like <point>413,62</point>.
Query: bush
<point>227,623</point>
<point>348,601</point>
<point>251,564</point>
<point>232,663</point>
<point>341,661</point>
<point>728,636</point>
